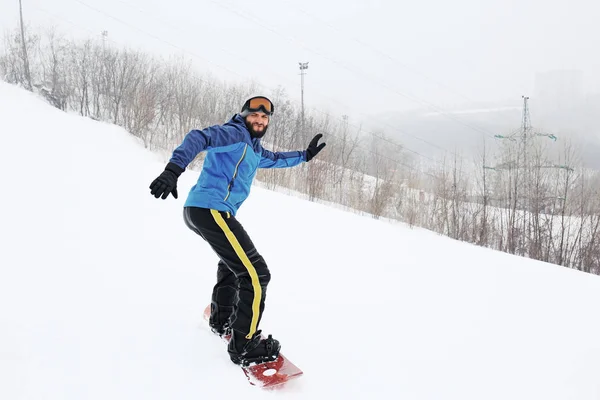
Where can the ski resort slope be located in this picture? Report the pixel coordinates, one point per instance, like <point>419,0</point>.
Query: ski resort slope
<point>102,289</point>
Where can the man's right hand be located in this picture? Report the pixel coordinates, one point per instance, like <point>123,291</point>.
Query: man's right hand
<point>166,182</point>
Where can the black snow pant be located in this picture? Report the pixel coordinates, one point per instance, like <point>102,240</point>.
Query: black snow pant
<point>242,274</point>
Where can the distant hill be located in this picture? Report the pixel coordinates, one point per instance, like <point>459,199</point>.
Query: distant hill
<point>464,129</point>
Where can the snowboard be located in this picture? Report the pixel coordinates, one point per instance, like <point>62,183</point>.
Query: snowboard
<point>269,375</point>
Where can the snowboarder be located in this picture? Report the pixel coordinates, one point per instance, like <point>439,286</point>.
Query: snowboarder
<point>234,153</point>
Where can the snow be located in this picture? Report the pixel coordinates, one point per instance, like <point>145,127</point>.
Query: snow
<point>102,289</point>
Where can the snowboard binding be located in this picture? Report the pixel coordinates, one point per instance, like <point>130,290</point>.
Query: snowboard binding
<point>257,350</point>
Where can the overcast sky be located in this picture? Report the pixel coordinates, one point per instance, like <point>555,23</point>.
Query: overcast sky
<point>365,57</point>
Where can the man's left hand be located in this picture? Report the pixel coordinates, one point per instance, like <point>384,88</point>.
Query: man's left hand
<point>314,148</point>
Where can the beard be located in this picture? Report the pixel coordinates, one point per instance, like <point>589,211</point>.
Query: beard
<point>254,133</point>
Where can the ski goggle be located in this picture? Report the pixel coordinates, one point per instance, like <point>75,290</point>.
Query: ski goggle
<point>259,104</point>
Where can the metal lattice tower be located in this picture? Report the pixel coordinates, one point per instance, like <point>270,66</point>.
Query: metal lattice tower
<point>522,164</point>
<point>526,123</point>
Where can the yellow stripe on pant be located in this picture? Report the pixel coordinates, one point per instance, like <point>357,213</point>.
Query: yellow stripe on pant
<point>237,247</point>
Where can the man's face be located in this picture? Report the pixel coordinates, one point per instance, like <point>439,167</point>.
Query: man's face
<point>257,123</point>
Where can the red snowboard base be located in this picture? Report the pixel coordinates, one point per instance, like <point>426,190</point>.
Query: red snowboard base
<point>272,374</point>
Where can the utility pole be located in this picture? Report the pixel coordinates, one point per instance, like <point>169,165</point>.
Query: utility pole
<point>526,131</point>
<point>25,58</point>
<point>303,67</point>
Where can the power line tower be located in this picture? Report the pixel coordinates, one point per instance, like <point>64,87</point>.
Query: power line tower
<point>526,123</point>
<point>524,169</point>
<point>526,131</point>
<point>303,68</point>
<point>523,136</point>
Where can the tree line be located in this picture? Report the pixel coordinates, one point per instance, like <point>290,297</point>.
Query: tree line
<point>514,198</point>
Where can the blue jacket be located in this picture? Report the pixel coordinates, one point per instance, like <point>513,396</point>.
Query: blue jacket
<point>230,166</point>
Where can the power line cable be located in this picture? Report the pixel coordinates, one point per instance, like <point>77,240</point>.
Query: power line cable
<point>212,62</point>
<point>251,17</point>
<point>379,52</point>
<point>186,51</point>
<point>247,16</point>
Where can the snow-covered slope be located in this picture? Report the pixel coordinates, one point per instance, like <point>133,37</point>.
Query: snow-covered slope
<point>102,288</point>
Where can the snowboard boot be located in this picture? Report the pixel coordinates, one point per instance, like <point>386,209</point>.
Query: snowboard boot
<point>223,329</point>
<point>254,351</point>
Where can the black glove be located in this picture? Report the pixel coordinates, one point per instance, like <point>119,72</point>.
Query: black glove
<point>313,149</point>
<point>166,182</point>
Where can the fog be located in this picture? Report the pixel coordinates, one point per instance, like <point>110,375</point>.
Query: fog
<point>371,60</point>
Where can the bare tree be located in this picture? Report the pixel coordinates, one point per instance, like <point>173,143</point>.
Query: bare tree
<point>81,68</point>
<point>342,150</point>
<point>15,63</point>
<point>54,79</point>
<point>384,171</point>
<point>24,49</point>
